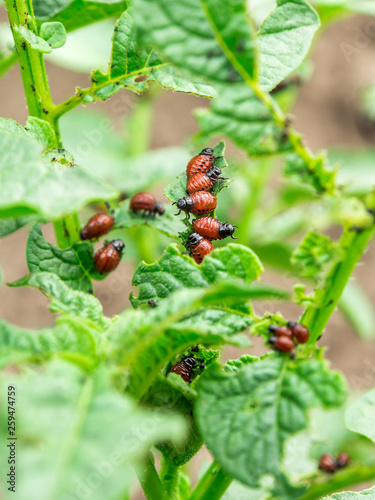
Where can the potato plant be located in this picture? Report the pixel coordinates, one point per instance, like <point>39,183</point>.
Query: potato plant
<point>97,409</point>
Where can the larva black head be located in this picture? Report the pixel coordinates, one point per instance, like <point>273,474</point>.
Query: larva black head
<point>190,362</point>
<point>118,244</point>
<point>159,208</point>
<point>194,239</point>
<point>207,151</point>
<point>214,173</point>
<point>185,204</point>
<point>226,230</point>
<point>273,328</point>
<point>291,324</point>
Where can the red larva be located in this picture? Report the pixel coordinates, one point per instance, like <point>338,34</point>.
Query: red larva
<point>184,368</point>
<point>281,331</point>
<point>147,203</point>
<point>343,460</point>
<point>203,181</point>
<point>200,203</point>
<point>283,343</point>
<point>199,247</point>
<point>327,463</point>
<point>200,163</point>
<point>97,225</point>
<point>300,332</point>
<point>212,229</point>
<point>108,257</point>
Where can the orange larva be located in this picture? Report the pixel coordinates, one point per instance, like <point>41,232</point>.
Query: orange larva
<point>203,181</point>
<point>200,203</point>
<point>147,203</point>
<point>108,257</point>
<point>200,163</point>
<point>212,229</point>
<point>97,225</point>
<point>199,247</point>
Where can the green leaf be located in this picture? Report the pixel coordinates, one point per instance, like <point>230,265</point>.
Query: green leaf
<point>76,13</point>
<point>62,425</point>
<point>351,495</point>
<point>314,253</point>
<point>34,41</point>
<point>13,224</point>
<point>104,146</point>
<point>174,271</point>
<point>72,338</point>
<point>233,32</point>
<point>54,34</point>
<point>260,9</point>
<point>242,117</point>
<point>51,191</point>
<point>223,321</point>
<point>170,77</point>
<point>163,394</point>
<point>86,48</point>
<point>246,416</point>
<point>358,309</point>
<point>145,341</point>
<point>184,36</point>
<point>36,130</point>
<point>65,300</point>
<point>72,265</point>
<point>41,131</point>
<point>356,174</point>
<point>360,416</point>
<point>237,491</point>
<point>342,6</point>
<point>302,298</point>
<point>177,189</point>
<point>167,223</point>
<point>284,40</point>
<point>131,66</point>
<point>317,174</point>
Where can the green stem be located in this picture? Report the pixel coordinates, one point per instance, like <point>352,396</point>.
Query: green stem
<point>33,73</point>
<point>258,181</point>
<point>79,98</point>
<point>351,248</point>
<point>38,97</point>
<point>340,481</point>
<point>69,448</point>
<point>149,479</point>
<point>7,62</point>
<point>141,119</point>
<point>213,484</point>
<point>67,230</point>
<point>170,476</point>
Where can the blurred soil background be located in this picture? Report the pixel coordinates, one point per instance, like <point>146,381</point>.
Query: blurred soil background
<point>327,113</point>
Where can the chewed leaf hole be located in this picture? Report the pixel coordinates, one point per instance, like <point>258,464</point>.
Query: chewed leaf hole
<point>251,406</point>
